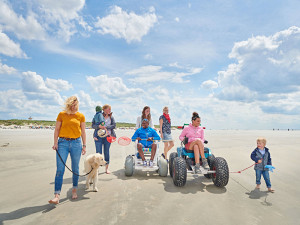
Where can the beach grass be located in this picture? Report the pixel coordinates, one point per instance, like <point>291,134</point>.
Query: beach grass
<point>17,122</point>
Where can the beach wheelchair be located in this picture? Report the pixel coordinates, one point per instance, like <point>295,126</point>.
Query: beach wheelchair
<point>134,162</point>
<point>183,162</point>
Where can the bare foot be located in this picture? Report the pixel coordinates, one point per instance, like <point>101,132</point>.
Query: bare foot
<point>54,201</point>
<point>257,187</point>
<point>271,190</point>
<point>107,172</point>
<point>74,194</point>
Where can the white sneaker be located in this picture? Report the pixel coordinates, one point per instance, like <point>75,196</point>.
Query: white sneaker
<point>151,163</point>
<point>145,163</point>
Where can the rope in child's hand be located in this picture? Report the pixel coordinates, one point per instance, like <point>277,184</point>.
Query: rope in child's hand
<point>240,171</point>
<point>270,167</point>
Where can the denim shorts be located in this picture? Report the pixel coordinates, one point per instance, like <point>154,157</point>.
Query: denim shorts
<point>167,137</point>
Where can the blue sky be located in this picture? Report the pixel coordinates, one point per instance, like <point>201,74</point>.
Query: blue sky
<point>237,63</point>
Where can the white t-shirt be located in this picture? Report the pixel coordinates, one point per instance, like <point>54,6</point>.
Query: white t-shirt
<point>139,123</point>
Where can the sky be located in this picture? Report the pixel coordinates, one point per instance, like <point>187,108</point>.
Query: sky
<point>236,63</point>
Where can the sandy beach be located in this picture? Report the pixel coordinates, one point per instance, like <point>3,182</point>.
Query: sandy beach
<point>27,173</point>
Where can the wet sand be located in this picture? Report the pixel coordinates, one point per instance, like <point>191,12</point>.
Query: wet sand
<point>27,173</point>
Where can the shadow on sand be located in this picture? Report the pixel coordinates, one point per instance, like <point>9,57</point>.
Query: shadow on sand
<point>27,211</point>
<point>257,194</point>
<point>193,185</point>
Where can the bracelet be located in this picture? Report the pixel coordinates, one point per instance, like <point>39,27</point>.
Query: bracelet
<point>84,145</point>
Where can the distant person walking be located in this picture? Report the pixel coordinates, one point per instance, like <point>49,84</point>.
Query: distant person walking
<point>109,125</point>
<point>165,131</point>
<point>145,115</point>
<point>70,126</point>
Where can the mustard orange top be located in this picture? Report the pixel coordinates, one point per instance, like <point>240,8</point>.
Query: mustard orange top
<point>70,124</point>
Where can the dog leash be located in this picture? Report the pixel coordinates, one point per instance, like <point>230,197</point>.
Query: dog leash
<point>70,169</point>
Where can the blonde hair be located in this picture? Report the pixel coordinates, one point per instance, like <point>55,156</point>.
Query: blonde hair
<point>166,107</point>
<point>69,103</point>
<point>106,106</point>
<point>262,139</point>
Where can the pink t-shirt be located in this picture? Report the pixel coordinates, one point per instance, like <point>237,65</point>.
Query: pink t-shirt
<point>192,133</point>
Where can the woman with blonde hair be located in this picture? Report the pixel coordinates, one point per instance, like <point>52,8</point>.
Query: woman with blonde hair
<point>145,115</point>
<point>110,125</point>
<point>165,131</point>
<point>70,126</point>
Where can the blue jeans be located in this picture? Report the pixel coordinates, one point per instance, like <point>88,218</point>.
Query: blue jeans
<point>65,147</point>
<point>266,176</point>
<point>99,143</point>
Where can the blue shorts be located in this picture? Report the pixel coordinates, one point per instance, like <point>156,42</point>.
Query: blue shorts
<point>148,145</point>
<point>167,137</point>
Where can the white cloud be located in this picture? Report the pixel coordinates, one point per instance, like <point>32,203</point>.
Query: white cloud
<point>155,73</point>
<point>15,104</point>
<point>34,88</point>
<point>113,87</point>
<point>44,18</point>
<point>86,101</point>
<point>265,66</point>
<point>25,28</point>
<point>9,47</point>
<point>130,26</point>
<point>65,14</point>
<point>177,19</point>
<point>5,69</point>
<point>52,46</point>
<point>209,84</point>
<point>59,85</point>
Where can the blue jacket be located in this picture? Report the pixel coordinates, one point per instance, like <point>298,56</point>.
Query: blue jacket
<point>98,118</point>
<point>145,133</point>
<point>266,159</point>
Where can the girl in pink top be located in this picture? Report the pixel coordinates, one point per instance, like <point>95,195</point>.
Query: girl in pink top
<point>195,135</point>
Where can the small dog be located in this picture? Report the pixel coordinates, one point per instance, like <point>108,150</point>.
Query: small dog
<point>93,161</point>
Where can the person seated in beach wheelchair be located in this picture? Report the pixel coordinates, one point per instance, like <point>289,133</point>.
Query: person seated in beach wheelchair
<point>146,147</point>
<point>193,157</point>
<point>184,161</point>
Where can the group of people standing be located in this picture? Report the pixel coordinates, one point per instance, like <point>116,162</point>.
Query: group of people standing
<point>70,130</point>
<point>70,138</point>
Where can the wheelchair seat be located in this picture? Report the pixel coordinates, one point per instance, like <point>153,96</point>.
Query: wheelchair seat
<point>147,152</point>
<point>190,153</point>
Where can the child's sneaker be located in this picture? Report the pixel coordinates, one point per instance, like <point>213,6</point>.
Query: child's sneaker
<point>205,164</point>
<point>145,163</point>
<point>151,163</point>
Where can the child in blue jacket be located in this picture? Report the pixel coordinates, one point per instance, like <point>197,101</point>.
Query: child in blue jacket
<point>262,157</point>
<point>98,120</point>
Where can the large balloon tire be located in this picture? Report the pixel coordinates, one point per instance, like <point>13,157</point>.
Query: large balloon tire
<point>210,160</point>
<point>129,166</point>
<point>162,167</point>
<point>172,156</point>
<point>221,177</point>
<point>179,172</point>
